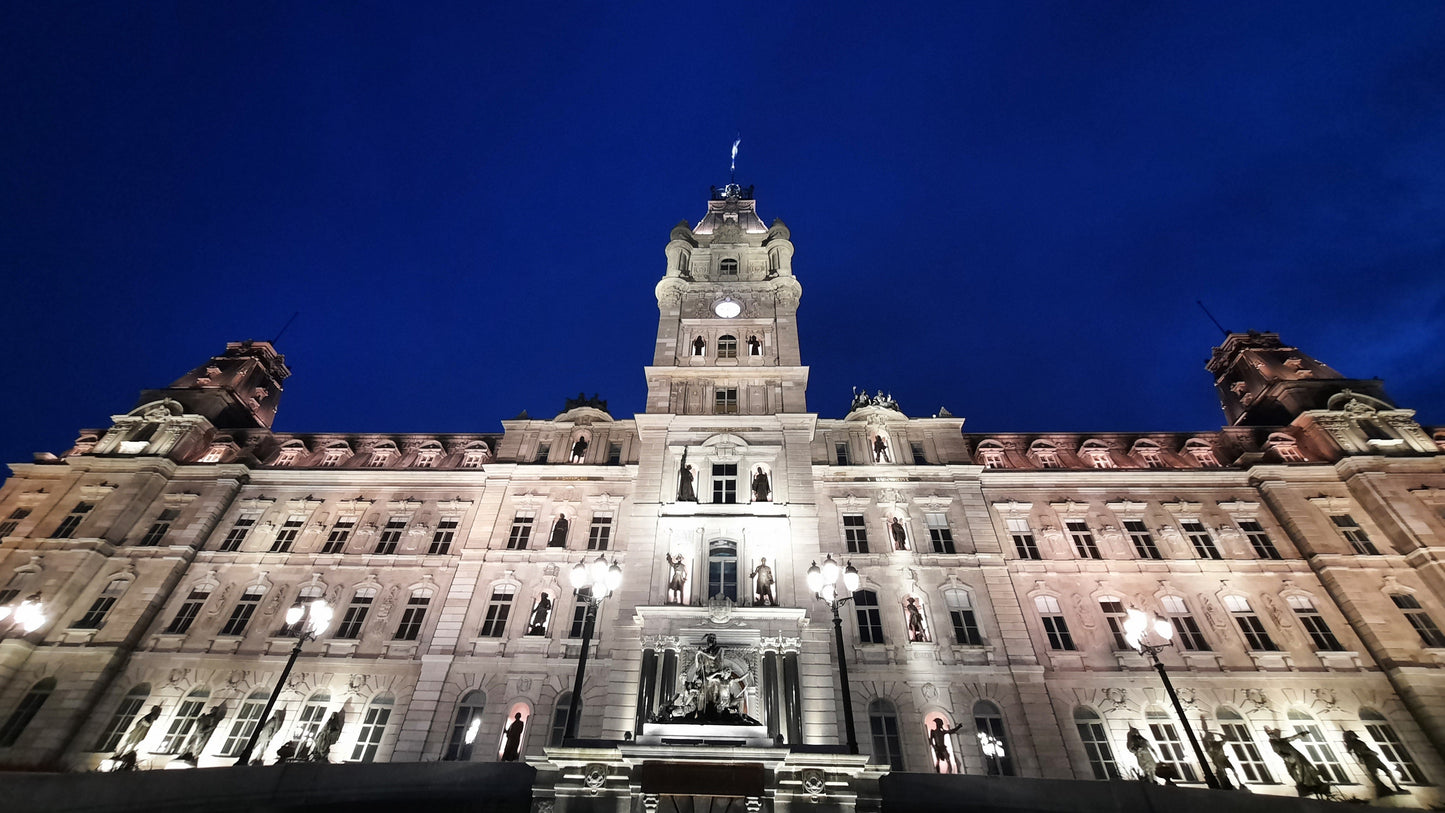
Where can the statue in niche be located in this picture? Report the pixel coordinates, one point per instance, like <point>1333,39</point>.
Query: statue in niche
<point>1214,749</point>
<point>762,576</point>
<point>268,732</point>
<point>512,739</point>
<point>326,738</point>
<point>1307,779</point>
<point>579,450</point>
<point>698,346</point>
<point>900,537</point>
<point>916,630</point>
<point>880,450</point>
<point>558,539</point>
<point>537,623</point>
<point>762,488</point>
<point>684,485</point>
<point>676,580</point>
<point>201,734</point>
<point>755,347</point>
<point>938,740</point>
<point>1373,765</point>
<point>137,734</point>
<point>1143,753</point>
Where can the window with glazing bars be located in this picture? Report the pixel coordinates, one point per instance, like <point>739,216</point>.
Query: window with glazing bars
<point>1083,539</point>
<point>1314,623</point>
<point>1390,746</point>
<point>1143,540</point>
<point>1355,535</point>
<point>521,531</point>
<point>191,608</point>
<point>159,528</point>
<point>290,529</point>
<point>7,528</point>
<point>1247,756</point>
<point>1249,624</point>
<point>1424,625</point>
<point>840,454</point>
<point>94,618</point>
<point>938,532</point>
<point>339,536</point>
<point>238,532</point>
<point>1201,539</point>
<point>1056,628</point>
<point>246,721</point>
<point>855,533</point>
<point>412,616</point>
<point>373,726</point>
<point>355,617</point>
<point>72,520</point>
<point>599,535</point>
<point>1114,616</point>
<point>187,714</point>
<point>965,621</point>
<point>725,483</point>
<point>1096,744</point>
<point>498,609</point>
<point>1171,748</point>
<point>1023,536</point>
<point>390,537</point>
<point>870,618</point>
<point>725,401</point>
<point>244,609</point>
<point>120,722</point>
<point>441,540</point>
<point>1186,629</point>
<point>1259,539</point>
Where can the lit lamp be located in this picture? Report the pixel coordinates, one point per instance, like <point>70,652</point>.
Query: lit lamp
<point>27,616</point>
<point>823,581</point>
<point>1138,624</point>
<point>591,584</point>
<point>309,621</point>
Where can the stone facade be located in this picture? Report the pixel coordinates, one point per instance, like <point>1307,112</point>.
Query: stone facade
<point>1295,551</point>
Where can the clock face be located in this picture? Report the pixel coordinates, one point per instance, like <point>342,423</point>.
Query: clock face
<point>727,308</point>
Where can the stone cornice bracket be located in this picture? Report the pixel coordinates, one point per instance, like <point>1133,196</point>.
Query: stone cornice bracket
<point>1013,507</point>
<point>1331,505</point>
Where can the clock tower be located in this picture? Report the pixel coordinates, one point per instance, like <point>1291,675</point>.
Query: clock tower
<point>727,332</point>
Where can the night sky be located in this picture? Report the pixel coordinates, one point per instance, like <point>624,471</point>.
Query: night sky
<point>1005,209</point>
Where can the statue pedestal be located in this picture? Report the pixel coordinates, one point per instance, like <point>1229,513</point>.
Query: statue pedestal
<point>703,734</point>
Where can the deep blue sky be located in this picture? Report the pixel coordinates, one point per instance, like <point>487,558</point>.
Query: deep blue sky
<point>1007,209</point>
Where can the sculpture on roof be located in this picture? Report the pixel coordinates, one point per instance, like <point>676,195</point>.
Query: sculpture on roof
<point>863,399</point>
<point>595,402</point>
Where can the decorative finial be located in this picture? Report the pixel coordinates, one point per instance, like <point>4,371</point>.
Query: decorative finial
<point>733,169</point>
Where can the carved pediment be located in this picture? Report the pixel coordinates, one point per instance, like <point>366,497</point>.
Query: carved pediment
<point>96,491</point>
<point>851,501</point>
<point>455,506</point>
<point>1182,507</point>
<point>307,503</point>
<point>256,503</point>
<point>406,506</point>
<point>1239,506</point>
<point>355,506</point>
<point>1013,507</point>
<point>177,499</point>
<point>528,500</point>
<point>604,502</point>
<point>1070,507</point>
<point>1331,505</point>
<point>1127,506</point>
<point>933,502</point>
<point>31,498</point>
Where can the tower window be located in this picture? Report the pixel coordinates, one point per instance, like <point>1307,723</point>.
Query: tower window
<point>840,454</point>
<point>725,483</point>
<point>725,401</point>
<point>728,268</point>
<point>727,347</point>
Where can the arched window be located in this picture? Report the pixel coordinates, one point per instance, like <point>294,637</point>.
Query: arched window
<point>1171,747</point>
<point>465,727</point>
<point>186,715</point>
<point>883,722</point>
<point>1390,747</point>
<point>1316,748</point>
<point>559,718</point>
<point>25,712</point>
<point>722,569</point>
<point>247,718</point>
<point>1247,755</point>
<point>373,727</point>
<point>993,739</point>
<point>313,715</point>
<point>727,347</point>
<point>125,714</point>
<point>728,268</point>
<point>1096,743</point>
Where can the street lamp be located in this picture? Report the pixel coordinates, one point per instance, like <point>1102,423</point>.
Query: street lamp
<point>824,584</point>
<point>591,584</point>
<point>309,621</point>
<point>1137,624</point>
<point>26,616</point>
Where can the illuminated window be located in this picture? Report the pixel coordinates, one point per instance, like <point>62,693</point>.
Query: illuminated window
<point>187,714</point>
<point>333,457</point>
<point>312,716</point>
<point>465,727</point>
<point>214,454</point>
<point>287,457</point>
<point>427,458</point>
<point>1100,459</point>
<point>992,458</point>
<point>1390,746</point>
<point>992,739</point>
<point>379,459</point>
<point>472,460</point>
<point>1317,749</point>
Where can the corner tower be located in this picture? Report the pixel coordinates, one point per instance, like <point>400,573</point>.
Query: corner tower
<point>727,331</point>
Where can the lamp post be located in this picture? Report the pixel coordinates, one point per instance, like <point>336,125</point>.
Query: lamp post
<point>591,584</point>
<point>309,621</point>
<point>26,616</point>
<point>824,584</point>
<point>1137,624</point>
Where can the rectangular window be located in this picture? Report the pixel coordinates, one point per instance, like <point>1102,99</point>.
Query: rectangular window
<point>1314,623</point>
<point>1023,536</point>
<point>333,458</point>
<point>1055,627</point>
<point>427,458</point>
<point>938,532</point>
<point>7,528</point>
<point>390,538</point>
<point>472,460</point>
<point>411,617</point>
<point>992,458</point>
<point>614,454</point>
<point>1171,750</point>
<point>579,614</point>
<point>159,528</point>
<point>1083,538</point>
<point>1152,458</point>
<point>500,607</point>
<point>521,532</point>
<point>855,533</point>
<point>1259,539</point>
<point>725,401</point>
<point>378,460</point>
<point>186,615</point>
<point>441,540</point>
<point>287,457</point>
<point>373,726</point>
<point>1186,629</point>
<point>94,618</point>
<point>725,483</point>
<point>965,621</point>
<point>919,459</point>
<point>1252,628</point>
<point>238,532</point>
<point>244,609</point>
<point>1419,619</point>
<point>840,454</point>
<point>1246,753</point>
<point>1143,540</point>
<point>290,529</point>
<point>599,535</point>
<point>214,454</point>
<point>72,520</point>
<point>1355,535</point>
<point>870,618</point>
<point>1113,610</point>
<point>1200,538</point>
<point>356,611</point>
<point>339,536</point>
<point>544,450</point>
